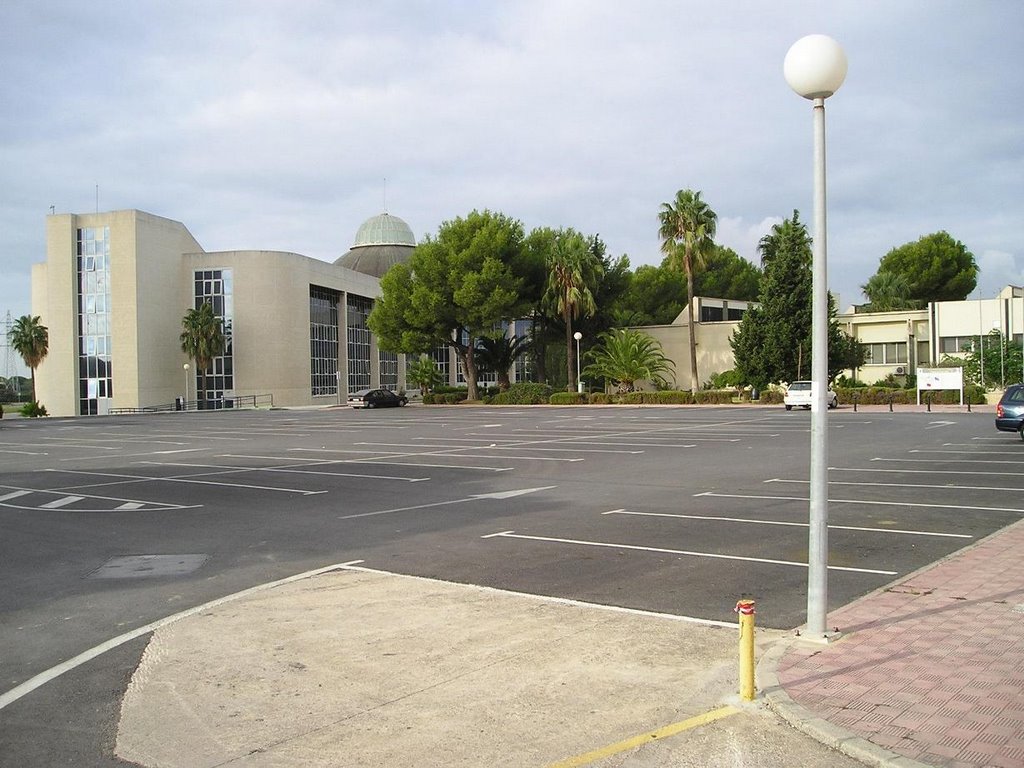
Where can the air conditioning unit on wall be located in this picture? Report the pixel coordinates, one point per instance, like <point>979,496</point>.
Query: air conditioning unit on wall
<point>900,370</point>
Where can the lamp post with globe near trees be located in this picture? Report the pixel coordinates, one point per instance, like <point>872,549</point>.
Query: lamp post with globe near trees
<point>815,67</point>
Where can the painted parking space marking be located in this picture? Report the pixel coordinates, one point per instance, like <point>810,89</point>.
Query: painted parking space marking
<point>448,502</point>
<point>509,444</point>
<point>868,470</point>
<point>286,469</point>
<point>187,479</point>
<point>685,552</point>
<point>785,523</point>
<point>948,461</point>
<point>454,453</point>
<point>61,502</point>
<point>30,499</point>
<point>714,494</point>
<point>387,460</point>
<point>905,485</point>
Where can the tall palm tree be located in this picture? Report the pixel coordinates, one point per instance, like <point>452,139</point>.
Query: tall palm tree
<point>687,233</point>
<point>202,339</point>
<point>572,274</point>
<point>30,339</point>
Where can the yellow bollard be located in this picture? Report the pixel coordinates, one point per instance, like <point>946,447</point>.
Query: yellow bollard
<point>745,609</point>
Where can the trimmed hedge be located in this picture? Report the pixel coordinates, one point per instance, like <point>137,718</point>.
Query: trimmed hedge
<point>714,397</point>
<point>973,394</point>
<point>600,398</point>
<point>568,398</point>
<point>524,394</point>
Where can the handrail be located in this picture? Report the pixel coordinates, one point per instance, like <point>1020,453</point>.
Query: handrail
<point>223,403</point>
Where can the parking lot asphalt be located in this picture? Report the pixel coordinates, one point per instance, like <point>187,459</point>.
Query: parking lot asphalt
<point>671,513</point>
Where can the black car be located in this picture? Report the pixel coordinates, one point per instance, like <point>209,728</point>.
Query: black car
<point>1010,411</point>
<point>376,398</point>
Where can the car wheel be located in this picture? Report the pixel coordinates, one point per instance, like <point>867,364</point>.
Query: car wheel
<point>789,407</point>
<point>368,405</point>
<point>834,403</point>
<point>403,402</point>
<point>1021,431</point>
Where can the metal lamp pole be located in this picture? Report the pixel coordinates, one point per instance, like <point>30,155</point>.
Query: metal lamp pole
<point>184,405</point>
<point>579,383</point>
<point>815,67</point>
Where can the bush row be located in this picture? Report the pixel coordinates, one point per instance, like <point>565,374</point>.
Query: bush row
<point>538,394</point>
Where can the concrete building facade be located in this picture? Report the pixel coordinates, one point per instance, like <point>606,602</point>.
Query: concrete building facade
<point>115,287</point>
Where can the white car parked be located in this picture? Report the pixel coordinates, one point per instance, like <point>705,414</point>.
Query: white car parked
<point>799,395</point>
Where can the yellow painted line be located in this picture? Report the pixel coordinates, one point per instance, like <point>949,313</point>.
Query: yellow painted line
<point>646,738</point>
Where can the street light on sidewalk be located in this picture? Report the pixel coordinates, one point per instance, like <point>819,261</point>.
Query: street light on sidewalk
<point>184,405</point>
<point>579,382</point>
<point>815,67</point>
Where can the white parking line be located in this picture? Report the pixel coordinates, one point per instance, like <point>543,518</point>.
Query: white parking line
<point>61,502</point>
<point>860,501</point>
<point>947,461</point>
<point>906,485</point>
<point>660,550</point>
<point>786,523</point>
<point>189,479</point>
<point>287,469</point>
<point>867,470</point>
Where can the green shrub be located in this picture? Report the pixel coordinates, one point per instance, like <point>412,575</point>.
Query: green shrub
<point>714,396</point>
<point>428,399</point>
<point>524,393</point>
<point>454,398</point>
<point>600,398</point>
<point>776,396</point>
<point>33,410</point>
<point>568,398</point>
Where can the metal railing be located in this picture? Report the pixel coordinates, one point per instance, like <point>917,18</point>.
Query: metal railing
<point>220,404</point>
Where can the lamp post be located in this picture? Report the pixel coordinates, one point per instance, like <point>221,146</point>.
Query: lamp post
<point>184,405</point>
<point>998,326</point>
<point>579,382</point>
<point>815,67</point>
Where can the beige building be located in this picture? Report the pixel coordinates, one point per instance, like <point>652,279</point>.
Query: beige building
<point>115,286</point>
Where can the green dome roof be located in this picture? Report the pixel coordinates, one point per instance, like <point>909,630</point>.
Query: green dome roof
<point>384,229</point>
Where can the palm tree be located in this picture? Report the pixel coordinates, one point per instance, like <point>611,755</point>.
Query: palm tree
<point>31,340</point>
<point>687,233</point>
<point>423,373</point>
<point>499,354</point>
<point>889,291</point>
<point>202,339</point>
<point>572,273</point>
<point>627,356</point>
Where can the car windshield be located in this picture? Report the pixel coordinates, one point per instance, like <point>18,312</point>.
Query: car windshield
<point>798,386</point>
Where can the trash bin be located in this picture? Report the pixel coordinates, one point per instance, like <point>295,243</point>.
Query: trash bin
<point>179,403</point>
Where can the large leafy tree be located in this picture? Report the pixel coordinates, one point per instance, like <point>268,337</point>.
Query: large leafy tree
<point>937,268</point>
<point>202,339</point>
<point>654,296</point>
<point>773,341</point>
<point>627,356</point>
<point>727,275</point>
<point>687,233</point>
<point>30,339</point>
<point>455,288</point>
<point>574,272</point>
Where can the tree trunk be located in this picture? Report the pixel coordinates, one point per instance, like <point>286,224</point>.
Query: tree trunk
<point>34,386</point>
<point>465,355</point>
<point>694,381</point>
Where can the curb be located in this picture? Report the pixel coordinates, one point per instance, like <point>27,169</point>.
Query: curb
<point>811,724</point>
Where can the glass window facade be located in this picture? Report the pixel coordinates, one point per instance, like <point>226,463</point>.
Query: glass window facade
<point>358,342</point>
<point>95,375</point>
<point>524,363</point>
<point>389,370</point>
<point>216,287</point>
<point>323,340</point>
<point>891,353</point>
<point>440,356</point>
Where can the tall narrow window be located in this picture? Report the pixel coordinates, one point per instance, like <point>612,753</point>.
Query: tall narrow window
<point>216,287</point>
<point>358,342</point>
<point>95,376</point>
<point>323,341</point>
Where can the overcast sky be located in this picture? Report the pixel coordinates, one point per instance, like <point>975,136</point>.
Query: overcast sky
<point>273,125</point>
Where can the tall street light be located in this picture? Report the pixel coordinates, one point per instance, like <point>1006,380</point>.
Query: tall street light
<point>579,382</point>
<point>815,67</point>
<point>184,405</point>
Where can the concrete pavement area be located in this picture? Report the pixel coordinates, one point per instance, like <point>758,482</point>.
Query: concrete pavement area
<point>358,668</point>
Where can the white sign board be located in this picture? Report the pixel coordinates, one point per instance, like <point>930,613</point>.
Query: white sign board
<point>940,378</point>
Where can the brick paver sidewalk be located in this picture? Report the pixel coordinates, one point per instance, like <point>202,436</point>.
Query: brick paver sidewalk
<point>931,668</point>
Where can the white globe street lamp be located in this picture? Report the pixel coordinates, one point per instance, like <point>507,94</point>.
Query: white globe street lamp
<point>579,382</point>
<point>184,405</point>
<point>815,67</point>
